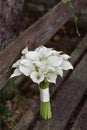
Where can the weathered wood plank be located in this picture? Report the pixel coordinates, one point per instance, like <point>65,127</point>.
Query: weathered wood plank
<point>75,58</point>
<point>37,34</point>
<point>81,121</point>
<point>24,124</point>
<point>67,99</point>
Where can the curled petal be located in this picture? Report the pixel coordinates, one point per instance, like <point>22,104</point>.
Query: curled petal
<point>16,73</point>
<point>36,77</point>
<point>56,53</point>
<point>66,65</point>
<point>51,77</point>
<point>65,56</point>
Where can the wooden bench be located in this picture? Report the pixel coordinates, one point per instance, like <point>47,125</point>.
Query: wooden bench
<point>67,95</point>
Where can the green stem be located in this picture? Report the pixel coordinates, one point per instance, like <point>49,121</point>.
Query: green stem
<point>76,24</point>
<point>45,107</point>
<point>45,110</point>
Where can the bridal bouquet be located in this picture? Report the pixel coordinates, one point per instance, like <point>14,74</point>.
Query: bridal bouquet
<point>42,65</point>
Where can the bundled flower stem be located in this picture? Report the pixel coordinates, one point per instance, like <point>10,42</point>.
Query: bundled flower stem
<point>45,107</point>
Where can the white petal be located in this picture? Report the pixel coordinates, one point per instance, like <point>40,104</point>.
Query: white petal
<point>26,71</point>
<point>54,60</point>
<point>41,48</point>
<point>22,57</point>
<point>59,72</point>
<point>28,65</point>
<point>51,68</point>
<point>25,50</point>
<point>32,55</point>
<point>40,64</point>
<point>51,77</point>
<point>36,77</point>
<point>16,73</point>
<point>56,53</point>
<point>16,64</point>
<point>43,70</point>
<point>25,62</point>
<point>66,65</point>
<point>44,51</point>
<point>65,56</point>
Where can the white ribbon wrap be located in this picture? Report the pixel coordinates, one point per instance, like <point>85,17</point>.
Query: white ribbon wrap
<point>44,95</point>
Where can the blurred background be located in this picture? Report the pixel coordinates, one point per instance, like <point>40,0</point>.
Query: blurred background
<point>15,17</point>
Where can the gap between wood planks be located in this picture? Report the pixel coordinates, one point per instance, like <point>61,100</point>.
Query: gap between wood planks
<point>76,113</point>
<point>81,120</point>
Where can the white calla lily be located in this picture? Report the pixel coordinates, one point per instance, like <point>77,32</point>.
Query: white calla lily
<point>24,70</point>
<point>36,77</point>
<point>51,77</point>
<point>66,65</point>
<point>26,67</point>
<point>16,73</point>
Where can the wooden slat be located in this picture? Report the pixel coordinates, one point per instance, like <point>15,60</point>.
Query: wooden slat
<point>32,113</point>
<point>37,34</point>
<point>81,121</point>
<point>67,99</point>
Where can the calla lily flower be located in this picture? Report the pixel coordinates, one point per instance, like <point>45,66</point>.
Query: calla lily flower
<point>16,73</point>
<point>66,65</point>
<point>37,77</point>
<point>51,77</point>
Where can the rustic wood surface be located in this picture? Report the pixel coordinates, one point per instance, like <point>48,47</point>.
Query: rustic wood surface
<point>37,34</point>
<point>10,11</point>
<point>67,99</point>
<point>81,121</point>
<point>31,115</point>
